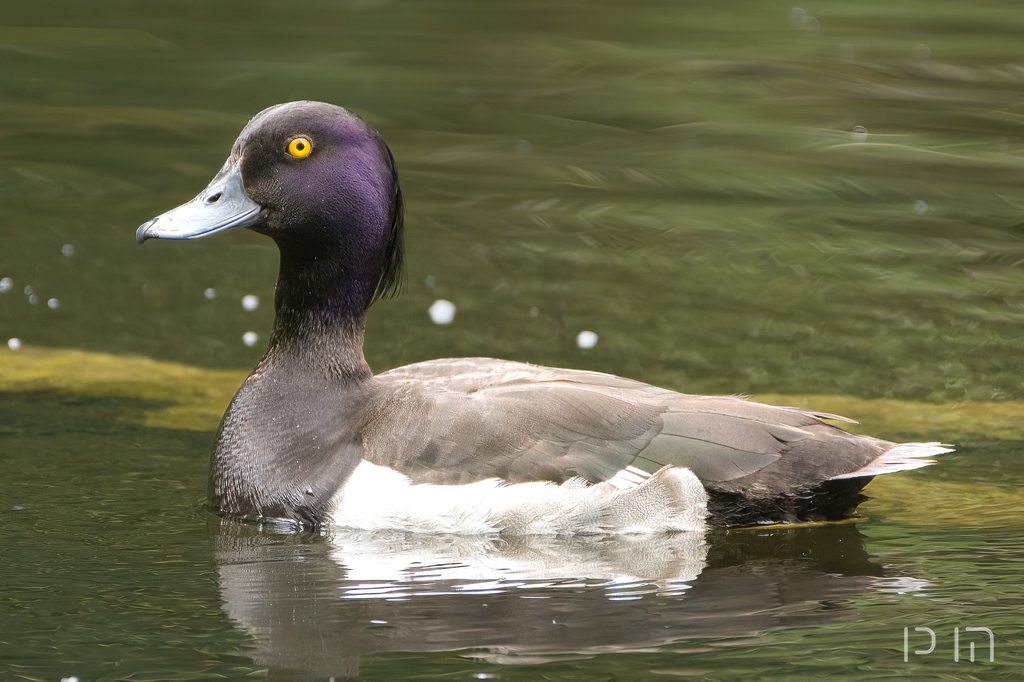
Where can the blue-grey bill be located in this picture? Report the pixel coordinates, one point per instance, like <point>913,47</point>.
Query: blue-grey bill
<point>221,206</point>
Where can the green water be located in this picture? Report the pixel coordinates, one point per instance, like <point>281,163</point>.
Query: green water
<point>692,181</point>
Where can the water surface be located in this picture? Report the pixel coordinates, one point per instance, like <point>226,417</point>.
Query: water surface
<point>820,206</point>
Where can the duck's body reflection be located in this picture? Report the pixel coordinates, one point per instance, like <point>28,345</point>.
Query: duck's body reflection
<point>314,605</point>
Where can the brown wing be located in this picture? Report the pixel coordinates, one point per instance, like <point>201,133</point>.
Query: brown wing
<point>457,421</point>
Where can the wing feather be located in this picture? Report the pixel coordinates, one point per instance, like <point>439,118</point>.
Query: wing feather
<point>457,421</point>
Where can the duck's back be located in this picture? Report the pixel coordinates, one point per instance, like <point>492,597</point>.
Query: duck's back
<point>464,420</point>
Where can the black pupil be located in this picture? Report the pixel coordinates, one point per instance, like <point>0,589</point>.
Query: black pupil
<point>299,146</point>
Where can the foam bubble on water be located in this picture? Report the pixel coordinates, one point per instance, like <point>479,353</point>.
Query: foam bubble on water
<point>28,290</point>
<point>250,302</point>
<point>250,338</point>
<point>534,311</point>
<point>586,339</point>
<point>860,133</point>
<point>33,298</point>
<point>442,311</point>
<point>211,294</point>
<point>53,304</point>
<point>799,18</point>
<point>920,207</point>
<point>14,344</point>
<point>6,284</point>
<point>68,250</point>
<point>70,678</point>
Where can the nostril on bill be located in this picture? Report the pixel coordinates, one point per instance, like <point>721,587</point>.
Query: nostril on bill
<point>214,198</point>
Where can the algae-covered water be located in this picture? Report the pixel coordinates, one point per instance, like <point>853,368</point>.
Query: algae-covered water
<point>820,206</point>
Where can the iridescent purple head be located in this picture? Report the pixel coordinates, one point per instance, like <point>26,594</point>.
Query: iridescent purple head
<point>323,185</point>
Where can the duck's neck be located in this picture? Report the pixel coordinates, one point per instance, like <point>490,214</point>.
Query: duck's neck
<point>319,317</point>
<point>291,436</point>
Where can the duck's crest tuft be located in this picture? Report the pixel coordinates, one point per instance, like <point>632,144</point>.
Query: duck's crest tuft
<point>392,273</point>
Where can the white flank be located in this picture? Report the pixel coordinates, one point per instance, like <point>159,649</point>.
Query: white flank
<point>378,498</point>
<point>903,457</point>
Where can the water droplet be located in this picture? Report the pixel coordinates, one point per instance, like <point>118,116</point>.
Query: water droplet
<point>250,302</point>
<point>431,281</point>
<point>922,52</point>
<point>586,339</point>
<point>524,147</point>
<point>534,311</point>
<point>860,133</point>
<point>14,344</point>
<point>6,284</point>
<point>442,311</point>
<point>920,207</point>
<point>68,250</point>
<point>33,299</point>
<point>799,18</point>
<point>250,338</point>
<point>53,304</point>
<point>28,291</point>
<point>211,294</point>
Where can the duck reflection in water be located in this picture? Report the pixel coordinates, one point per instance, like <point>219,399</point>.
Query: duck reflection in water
<point>315,604</point>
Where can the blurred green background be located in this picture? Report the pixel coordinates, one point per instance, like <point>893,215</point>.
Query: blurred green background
<point>687,180</point>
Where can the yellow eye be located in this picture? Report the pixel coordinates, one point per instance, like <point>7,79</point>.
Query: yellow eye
<point>300,147</point>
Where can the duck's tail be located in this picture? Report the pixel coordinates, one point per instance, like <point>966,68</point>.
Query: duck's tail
<point>831,499</point>
<point>901,457</point>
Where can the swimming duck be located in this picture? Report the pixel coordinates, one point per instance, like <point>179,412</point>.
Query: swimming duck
<point>467,445</point>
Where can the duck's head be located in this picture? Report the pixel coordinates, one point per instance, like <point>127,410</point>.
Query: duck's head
<point>323,185</point>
